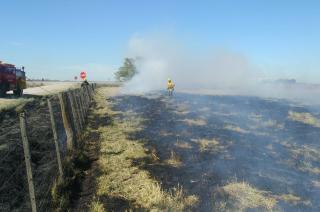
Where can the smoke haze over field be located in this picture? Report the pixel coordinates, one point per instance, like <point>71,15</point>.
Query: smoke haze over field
<point>220,71</point>
<point>160,59</point>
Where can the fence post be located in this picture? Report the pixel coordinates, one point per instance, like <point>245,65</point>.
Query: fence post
<point>74,118</point>
<point>55,138</point>
<point>86,92</point>
<point>82,106</point>
<point>90,92</point>
<point>80,112</point>
<point>76,102</point>
<point>84,102</point>
<point>66,123</point>
<point>27,157</point>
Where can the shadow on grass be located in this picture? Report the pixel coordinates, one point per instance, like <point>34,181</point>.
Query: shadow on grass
<point>117,204</point>
<point>87,190</point>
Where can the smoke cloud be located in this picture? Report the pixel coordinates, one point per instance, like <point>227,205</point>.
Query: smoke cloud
<point>160,59</point>
<point>219,71</point>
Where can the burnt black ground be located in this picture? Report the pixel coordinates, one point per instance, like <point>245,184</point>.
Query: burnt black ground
<point>255,154</point>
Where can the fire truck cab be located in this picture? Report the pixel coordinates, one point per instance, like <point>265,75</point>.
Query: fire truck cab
<point>12,78</point>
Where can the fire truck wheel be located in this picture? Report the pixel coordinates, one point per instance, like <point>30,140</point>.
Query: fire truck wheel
<point>2,90</point>
<point>18,92</point>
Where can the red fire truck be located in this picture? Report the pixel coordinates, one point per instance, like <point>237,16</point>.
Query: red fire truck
<point>12,78</point>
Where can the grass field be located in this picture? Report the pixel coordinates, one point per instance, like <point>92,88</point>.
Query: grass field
<point>202,152</point>
<point>119,182</point>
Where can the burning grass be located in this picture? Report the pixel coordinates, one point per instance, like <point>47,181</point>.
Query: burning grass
<point>122,185</point>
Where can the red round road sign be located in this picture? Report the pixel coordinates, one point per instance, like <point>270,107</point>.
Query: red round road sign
<point>83,75</point>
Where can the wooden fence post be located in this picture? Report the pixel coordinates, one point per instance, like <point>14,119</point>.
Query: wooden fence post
<point>77,108</point>
<point>84,102</point>
<point>86,93</point>
<point>74,116</point>
<point>27,157</point>
<point>66,123</point>
<point>90,92</point>
<point>82,105</point>
<point>77,96</point>
<point>87,98</point>
<point>55,138</point>
<point>76,102</point>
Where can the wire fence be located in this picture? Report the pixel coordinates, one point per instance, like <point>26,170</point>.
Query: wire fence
<point>34,144</point>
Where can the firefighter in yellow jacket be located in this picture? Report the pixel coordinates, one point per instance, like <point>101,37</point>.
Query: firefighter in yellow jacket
<point>170,87</point>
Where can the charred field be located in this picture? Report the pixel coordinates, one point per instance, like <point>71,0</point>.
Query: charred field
<point>233,152</point>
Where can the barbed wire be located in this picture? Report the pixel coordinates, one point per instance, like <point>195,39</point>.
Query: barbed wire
<point>43,157</point>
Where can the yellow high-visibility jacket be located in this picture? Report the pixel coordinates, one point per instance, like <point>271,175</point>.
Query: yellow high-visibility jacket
<point>170,85</point>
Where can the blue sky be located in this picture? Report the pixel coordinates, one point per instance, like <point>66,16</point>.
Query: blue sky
<point>59,38</point>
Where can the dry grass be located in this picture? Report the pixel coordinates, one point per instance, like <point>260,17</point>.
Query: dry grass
<point>316,184</point>
<point>240,196</point>
<point>96,206</point>
<point>183,145</point>
<point>165,133</point>
<point>255,117</point>
<point>182,109</point>
<point>121,178</point>
<point>272,124</point>
<point>292,199</point>
<point>31,84</point>
<point>306,118</point>
<point>259,122</point>
<point>195,122</point>
<point>8,104</point>
<point>208,145</point>
<point>205,109</point>
<point>174,160</point>
<point>303,157</point>
<point>235,129</point>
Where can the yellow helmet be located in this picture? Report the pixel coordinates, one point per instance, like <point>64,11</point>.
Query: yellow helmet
<point>169,80</point>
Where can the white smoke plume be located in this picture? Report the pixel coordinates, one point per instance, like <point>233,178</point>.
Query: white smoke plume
<point>219,71</point>
<point>160,59</point>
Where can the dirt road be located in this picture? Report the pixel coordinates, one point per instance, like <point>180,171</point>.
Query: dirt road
<point>47,89</point>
